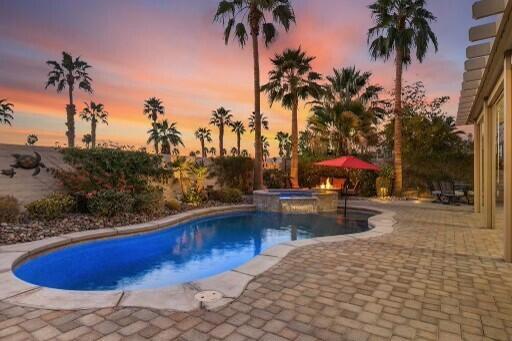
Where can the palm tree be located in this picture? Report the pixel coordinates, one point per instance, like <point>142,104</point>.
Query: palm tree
<point>69,72</point>
<point>234,151</point>
<point>400,27</point>
<point>176,153</point>
<point>203,134</point>
<point>238,128</point>
<point>154,136</point>
<point>152,108</point>
<point>348,111</point>
<point>169,136</point>
<point>220,118</point>
<point>87,139</point>
<point>264,122</point>
<point>94,113</point>
<point>6,112</point>
<point>285,147</point>
<point>265,145</point>
<point>291,80</point>
<point>213,151</point>
<point>258,16</point>
<point>32,139</point>
<point>244,153</point>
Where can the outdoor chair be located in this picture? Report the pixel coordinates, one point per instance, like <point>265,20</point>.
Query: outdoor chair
<point>354,190</point>
<point>449,194</point>
<point>435,188</point>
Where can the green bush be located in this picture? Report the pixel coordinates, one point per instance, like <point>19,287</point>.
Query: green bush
<point>276,178</point>
<point>173,205</point>
<point>98,169</point>
<point>150,201</point>
<point>226,195</point>
<point>235,172</point>
<point>52,207</point>
<point>194,196</point>
<point>9,209</point>
<point>110,203</point>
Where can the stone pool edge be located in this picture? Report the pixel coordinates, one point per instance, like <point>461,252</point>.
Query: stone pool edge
<point>231,284</point>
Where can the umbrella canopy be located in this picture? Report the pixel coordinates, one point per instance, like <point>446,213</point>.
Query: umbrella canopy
<point>348,162</point>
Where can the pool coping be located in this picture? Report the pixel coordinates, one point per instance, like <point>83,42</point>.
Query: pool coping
<point>231,284</point>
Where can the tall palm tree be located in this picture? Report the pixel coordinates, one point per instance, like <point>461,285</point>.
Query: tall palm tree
<point>221,118</point>
<point>170,136</point>
<point>69,73</point>
<point>154,136</point>
<point>94,113</point>
<point>285,147</point>
<point>265,145</point>
<point>203,134</point>
<point>348,111</point>
<point>152,108</point>
<point>6,112</point>
<point>264,122</point>
<point>400,27</point>
<point>239,129</point>
<point>258,16</point>
<point>87,139</point>
<point>292,79</point>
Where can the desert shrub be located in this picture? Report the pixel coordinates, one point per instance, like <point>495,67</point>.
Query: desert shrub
<point>276,178</point>
<point>106,168</point>
<point>384,182</point>
<point>9,209</point>
<point>234,172</point>
<point>52,207</point>
<point>150,201</point>
<point>226,195</point>
<point>173,204</point>
<point>109,203</point>
<point>194,196</point>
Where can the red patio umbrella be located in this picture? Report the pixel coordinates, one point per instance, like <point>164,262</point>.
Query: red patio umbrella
<point>348,162</point>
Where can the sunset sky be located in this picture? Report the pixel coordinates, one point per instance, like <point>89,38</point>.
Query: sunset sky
<point>171,49</point>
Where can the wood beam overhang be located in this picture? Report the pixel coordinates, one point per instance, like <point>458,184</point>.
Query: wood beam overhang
<point>487,8</point>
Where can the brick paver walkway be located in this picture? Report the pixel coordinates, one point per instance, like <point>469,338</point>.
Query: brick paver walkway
<point>437,277</point>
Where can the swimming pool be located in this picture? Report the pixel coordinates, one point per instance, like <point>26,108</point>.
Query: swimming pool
<point>184,253</point>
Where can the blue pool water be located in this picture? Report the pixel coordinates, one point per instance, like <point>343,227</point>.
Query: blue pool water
<point>180,254</point>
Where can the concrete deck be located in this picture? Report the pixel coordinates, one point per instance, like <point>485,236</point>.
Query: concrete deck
<point>436,276</point>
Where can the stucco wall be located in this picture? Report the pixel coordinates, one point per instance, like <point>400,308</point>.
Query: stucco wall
<point>25,187</point>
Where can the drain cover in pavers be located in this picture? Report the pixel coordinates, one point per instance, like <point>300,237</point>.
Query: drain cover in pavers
<point>208,296</point>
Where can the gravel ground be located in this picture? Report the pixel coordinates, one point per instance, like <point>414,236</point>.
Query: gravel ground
<point>30,230</point>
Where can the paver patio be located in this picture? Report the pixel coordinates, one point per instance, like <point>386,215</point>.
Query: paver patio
<point>437,277</point>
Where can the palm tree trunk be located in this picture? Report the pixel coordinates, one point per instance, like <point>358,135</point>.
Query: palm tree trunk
<point>203,152</point>
<point>70,112</point>
<point>238,143</point>
<point>397,148</point>
<point>93,133</point>
<point>258,148</point>
<point>221,140</point>
<point>294,171</point>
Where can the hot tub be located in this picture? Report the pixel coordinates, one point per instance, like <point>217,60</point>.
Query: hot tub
<point>295,201</point>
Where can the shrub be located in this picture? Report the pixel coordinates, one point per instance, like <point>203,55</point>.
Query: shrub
<point>234,172</point>
<point>150,201</point>
<point>52,207</point>
<point>9,209</point>
<point>194,196</point>
<point>173,205</point>
<point>226,195</point>
<point>105,168</point>
<point>109,203</point>
<point>276,178</point>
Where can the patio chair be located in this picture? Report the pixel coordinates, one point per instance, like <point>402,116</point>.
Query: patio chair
<point>449,194</point>
<point>351,191</point>
<point>435,189</point>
